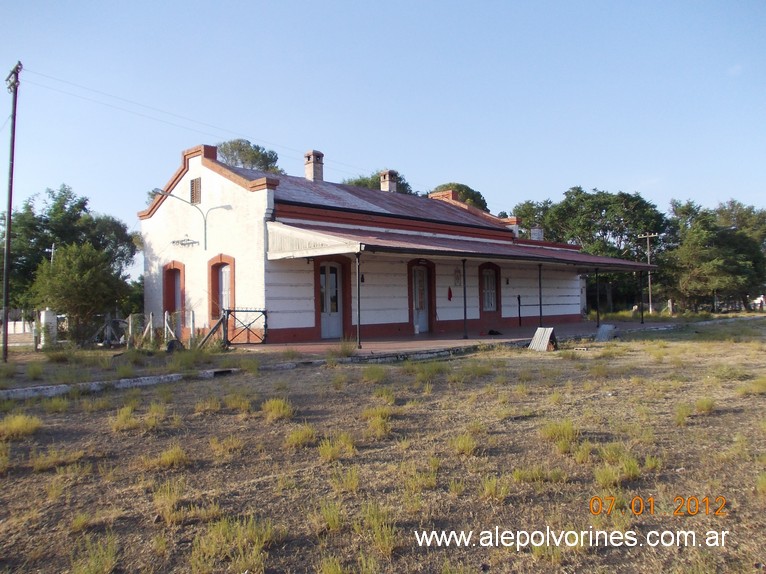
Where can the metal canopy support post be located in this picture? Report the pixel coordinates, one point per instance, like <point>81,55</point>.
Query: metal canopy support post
<point>465,305</point>
<point>598,296</point>
<point>358,304</point>
<point>540,290</point>
<point>13,86</point>
<point>641,292</point>
<point>518,300</point>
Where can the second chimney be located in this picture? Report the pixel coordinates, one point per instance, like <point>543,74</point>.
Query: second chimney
<point>388,180</point>
<point>314,165</point>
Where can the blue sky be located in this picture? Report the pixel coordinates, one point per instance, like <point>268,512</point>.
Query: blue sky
<point>519,100</point>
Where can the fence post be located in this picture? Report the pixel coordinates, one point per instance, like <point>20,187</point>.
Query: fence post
<point>130,331</point>
<point>191,335</point>
<point>225,328</point>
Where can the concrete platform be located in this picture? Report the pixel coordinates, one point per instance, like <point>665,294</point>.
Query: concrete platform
<point>432,343</point>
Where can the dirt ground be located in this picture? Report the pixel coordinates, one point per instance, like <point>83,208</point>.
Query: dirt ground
<point>201,476</point>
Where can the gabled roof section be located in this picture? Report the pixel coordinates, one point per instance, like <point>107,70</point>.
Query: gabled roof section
<point>206,151</point>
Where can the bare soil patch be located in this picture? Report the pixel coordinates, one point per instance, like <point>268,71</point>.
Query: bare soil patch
<point>349,461</point>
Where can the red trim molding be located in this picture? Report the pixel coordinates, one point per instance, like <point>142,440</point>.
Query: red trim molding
<point>213,287</point>
<point>168,287</point>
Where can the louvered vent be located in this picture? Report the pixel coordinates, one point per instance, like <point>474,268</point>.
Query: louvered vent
<point>196,190</point>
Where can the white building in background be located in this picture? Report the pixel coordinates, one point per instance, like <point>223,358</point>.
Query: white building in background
<point>319,258</point>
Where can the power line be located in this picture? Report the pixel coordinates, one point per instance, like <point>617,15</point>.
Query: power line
<point>299,153</point>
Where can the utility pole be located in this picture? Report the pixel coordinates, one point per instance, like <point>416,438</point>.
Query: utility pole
<point>13,87</point>
<point>648,237</point>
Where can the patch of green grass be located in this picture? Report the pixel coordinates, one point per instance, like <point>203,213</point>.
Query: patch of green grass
<point>238,402</point>
<point>346,348</point>
<point>189,359</point>
<point>756,387</point>
<point>429,371</point>
<point>167,497</point>
<point>17,426</point>
<point>277,409</point>
<point>329,517</point>
<point>377,526</point>
<point>681,414</point>
<point>155,416</point>
<point>7,371</point>
<point>5,457</point>
<point>726,372</point>
<point>583,451</point>
<point>52,458</point>
<point>232,544</point>
<point>606,476</point>
<point>290,354</point>
<point>385,394</point>
<point>55,405</point>
<point>704,406</point>
<point>226,448</point>
<point>340,380</point>
<point>374,374</point>
<point>59,357</point>
<point>337,446</point>
<point>345,480</point>
<point>494,488</point>
<point>35,371</point>
<point>561,430</point>
<point>173,457</point>
<point>303,436</point>
<point>95,404</point>
<point>464,444</point>
<point>94,556</point>
<point>208,405</point>
<point>331,565</point>
<point>126,371</point>
<point>125,420</point>
<point>760,484</point>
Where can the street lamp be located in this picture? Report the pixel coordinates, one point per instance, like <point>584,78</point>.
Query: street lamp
<point>204,214</point>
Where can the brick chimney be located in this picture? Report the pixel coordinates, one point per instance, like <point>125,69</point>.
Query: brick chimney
<point>314,165</point>
<point>388,180</point>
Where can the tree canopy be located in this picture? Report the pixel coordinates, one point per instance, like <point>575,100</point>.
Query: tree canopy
<point>242,153</point>
<point>372,181</point>
<point>710,257</point>
<point>465,194</point>
<point>41,228</point>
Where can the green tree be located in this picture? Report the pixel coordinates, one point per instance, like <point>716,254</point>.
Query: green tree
<point>465,194</point>
<point>602,223</point>
<point>242,153</point>
<point>710,261</point>
<point>82,283</point>
<point>744,218</point>
<point>534,214</point>
<point>41,227</point>
<point>372,181</point>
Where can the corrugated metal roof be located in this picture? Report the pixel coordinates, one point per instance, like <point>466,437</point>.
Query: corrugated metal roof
<point>396,242</point>
<point>298,190</point>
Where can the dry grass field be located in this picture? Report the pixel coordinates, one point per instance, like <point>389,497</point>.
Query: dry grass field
<point>334,469</point>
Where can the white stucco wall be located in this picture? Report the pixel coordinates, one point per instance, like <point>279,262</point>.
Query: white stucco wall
<point>237,231</point>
